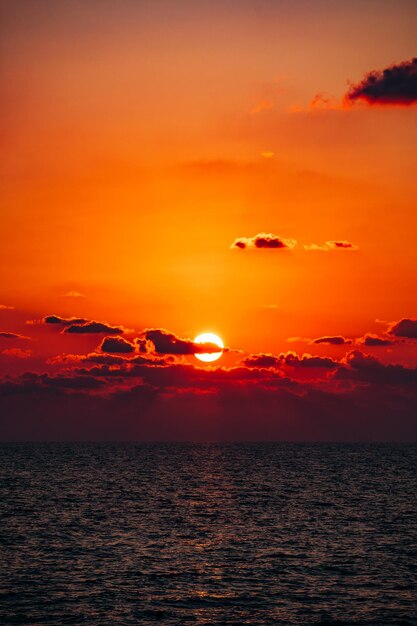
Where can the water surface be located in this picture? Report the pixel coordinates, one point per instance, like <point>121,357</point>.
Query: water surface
<point>259,534</point>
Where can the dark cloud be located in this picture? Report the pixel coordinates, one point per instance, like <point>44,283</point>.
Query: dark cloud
<point>100,359</point>
<point>375,341</point>
<point>83,326</point>
<point>64,321</point>
<point>91,328</point>
<point>336,340</point>
<point>291,359</point>
<point>117,345</point>
<point>394,85</point>
<point>264,241</point>
<point>167,343</point>
<point>404,328</point>
<point>261,360</point>
<point>30,383</point>
<point>7,335</point>
<point>366,368</point>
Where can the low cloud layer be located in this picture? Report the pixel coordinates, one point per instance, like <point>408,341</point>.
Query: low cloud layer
<point>143,388</point>
<point>395,85</point>
<point>266,397</point>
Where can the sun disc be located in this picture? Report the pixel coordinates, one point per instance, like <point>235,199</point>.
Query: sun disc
<point>209,338</point>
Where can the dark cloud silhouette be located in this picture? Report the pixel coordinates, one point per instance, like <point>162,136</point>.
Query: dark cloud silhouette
<point>83,326</point>
<point>291,359</point>
<point>404,328</point>
<point>261,360</point>
<point>64,321</point>
<point>117,345</point>
<point>366,368</point>
<point>7,335</point>
<point>335,340</point>
<point>30,383</point>
<point>263,241</point>
<point>395,85</point>
<point>375,341</point>
<point>100,359</point>
<point>93,328</point>
<point>167,343</point>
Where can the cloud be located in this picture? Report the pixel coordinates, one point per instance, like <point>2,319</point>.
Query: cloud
<point>331,245</point>
<point>263,105</point>
<point>93,358</point>
<point>64,321</point>
<point>17,353</point>
<point>404,328</point>
<point>91,328</point>
<point>98,358</point>
<point>74,294</point>
<point>83,326</point>
<point>375,341</point>
<point>7,335</point>
<point>325,102</point>
<point>359,399</point>
<point>117,345</point>
<point>31,383</point>
<point>5,307</point>
<point>395,85</point>
<point>262,360</point>
<point>289,359</point>
<point>298,340</point>
<point>264,241</point>
<point>167,343</point>
<point>366,368</point>
<point>336,340</point>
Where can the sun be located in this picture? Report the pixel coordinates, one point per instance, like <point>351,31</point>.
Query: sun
<point>209,338</point>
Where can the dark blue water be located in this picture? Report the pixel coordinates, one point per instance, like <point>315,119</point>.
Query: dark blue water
<point>208,534</point>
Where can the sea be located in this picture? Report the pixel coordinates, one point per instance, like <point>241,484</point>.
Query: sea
<point>206,533</point>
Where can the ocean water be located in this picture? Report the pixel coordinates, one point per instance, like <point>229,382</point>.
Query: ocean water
<point>259,534</point>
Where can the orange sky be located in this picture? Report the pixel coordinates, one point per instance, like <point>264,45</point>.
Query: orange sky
<point>141,139</point>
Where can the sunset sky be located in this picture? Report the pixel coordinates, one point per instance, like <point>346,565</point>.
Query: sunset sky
<point>243,168</point>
